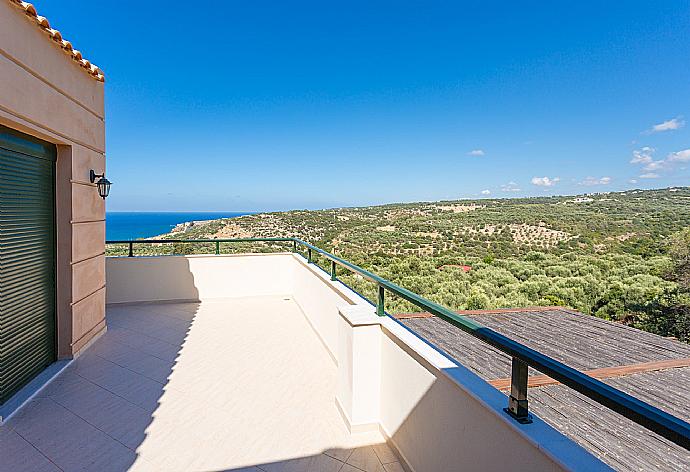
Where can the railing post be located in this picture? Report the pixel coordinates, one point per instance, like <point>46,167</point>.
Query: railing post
<point>294,246</point>
<point>517,402</point>
<point>380,305</point>
<point>333,274</point>
<point>217,248</point>
<point>131,249</point>
<point>308,255</point>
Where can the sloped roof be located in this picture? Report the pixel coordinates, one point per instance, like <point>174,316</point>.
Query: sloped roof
<point>653,368</point>
<point>42,22</point>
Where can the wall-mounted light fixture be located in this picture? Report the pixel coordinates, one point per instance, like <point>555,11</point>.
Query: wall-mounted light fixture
<point>103,184</point>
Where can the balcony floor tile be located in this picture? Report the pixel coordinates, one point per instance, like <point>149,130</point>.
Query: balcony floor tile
<point>234,385</point>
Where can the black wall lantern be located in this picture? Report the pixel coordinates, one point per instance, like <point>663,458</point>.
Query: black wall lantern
<point>103,184</point>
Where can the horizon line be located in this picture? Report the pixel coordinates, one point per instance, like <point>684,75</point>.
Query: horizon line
<point>481,198</point>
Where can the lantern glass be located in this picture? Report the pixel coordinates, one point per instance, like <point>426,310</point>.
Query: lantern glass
<point>103,187</point>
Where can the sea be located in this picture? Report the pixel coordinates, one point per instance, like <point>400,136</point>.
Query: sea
<point>132,225</point>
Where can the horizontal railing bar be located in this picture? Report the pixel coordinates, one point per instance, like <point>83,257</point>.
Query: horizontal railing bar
<point>231,240</point>
<point>642,413</point>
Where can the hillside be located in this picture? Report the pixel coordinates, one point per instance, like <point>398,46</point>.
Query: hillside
<point>603,254</point>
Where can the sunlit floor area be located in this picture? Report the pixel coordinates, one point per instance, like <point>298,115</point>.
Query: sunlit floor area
<point>229,385</point>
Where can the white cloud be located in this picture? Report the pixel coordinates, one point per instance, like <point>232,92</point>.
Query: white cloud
<point>642,156</point>
<point>510,187</point>
<point>596,181</point>
<point>476,152</point>
<point>632,181</point>
<point>655,165</point>
<point>668,125</point>
<point>545,181</point>
<point>679,156</point>
<point>652,167</point>
<point>486,192</point>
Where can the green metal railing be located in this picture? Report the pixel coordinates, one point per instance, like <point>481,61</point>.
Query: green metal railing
<point>644,414</point>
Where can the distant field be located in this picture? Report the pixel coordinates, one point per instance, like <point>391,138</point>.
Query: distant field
<point>604,254</point>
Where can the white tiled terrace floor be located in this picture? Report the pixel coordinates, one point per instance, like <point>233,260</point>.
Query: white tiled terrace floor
<point>231,385</point>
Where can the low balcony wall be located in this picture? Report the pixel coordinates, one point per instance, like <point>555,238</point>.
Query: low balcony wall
<point>438,415</point>
<point>195,278</point>
<point>177,278</point>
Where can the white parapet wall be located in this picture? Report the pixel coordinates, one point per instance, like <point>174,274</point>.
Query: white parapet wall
<point>438,413</point>
<point>435,413</point>
<point>174,278</point>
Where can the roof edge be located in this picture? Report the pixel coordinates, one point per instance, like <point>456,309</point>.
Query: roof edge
<point>42,22</point>
<point>495,311</point>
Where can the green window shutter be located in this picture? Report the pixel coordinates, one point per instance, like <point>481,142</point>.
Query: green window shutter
<point>27,259</point>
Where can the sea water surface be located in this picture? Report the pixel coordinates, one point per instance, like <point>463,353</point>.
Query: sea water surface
<point>133,225</point>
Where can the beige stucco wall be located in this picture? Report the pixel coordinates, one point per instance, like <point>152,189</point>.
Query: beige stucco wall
<point>46,94</point>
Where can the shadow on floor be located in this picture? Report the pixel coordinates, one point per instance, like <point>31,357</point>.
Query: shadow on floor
<point>96,414</point>
<point>193,386</point>
<point>377,458</point>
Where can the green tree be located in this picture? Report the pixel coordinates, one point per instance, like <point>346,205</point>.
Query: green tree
<point>679,251</point>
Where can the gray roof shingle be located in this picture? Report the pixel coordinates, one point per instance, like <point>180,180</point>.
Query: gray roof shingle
<point>582,342</point>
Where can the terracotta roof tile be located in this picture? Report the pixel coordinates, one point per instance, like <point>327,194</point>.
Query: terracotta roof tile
<point>43,21</point>
<point>56,36</point>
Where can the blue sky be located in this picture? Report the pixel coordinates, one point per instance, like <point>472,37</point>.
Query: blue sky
<point>229,105</point>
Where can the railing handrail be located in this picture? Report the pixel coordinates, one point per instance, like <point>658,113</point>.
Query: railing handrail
<point>220,240</point>
<point>672,428</point>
